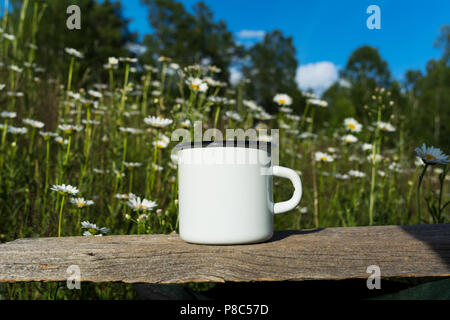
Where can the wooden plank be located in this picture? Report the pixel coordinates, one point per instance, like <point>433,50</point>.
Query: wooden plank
<point>332,253</point>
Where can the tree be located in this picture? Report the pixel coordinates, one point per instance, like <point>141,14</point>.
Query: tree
<point>443,42</point>
<point>271,69</point>
<point>365,70</point>
<point>429,97</point>
<point>104,33</point>
<point>188,38</point>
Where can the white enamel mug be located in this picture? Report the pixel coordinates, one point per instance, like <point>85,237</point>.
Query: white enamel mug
<point>225,192</point>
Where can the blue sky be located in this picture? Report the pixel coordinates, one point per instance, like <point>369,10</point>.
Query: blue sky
<point>326,32</point>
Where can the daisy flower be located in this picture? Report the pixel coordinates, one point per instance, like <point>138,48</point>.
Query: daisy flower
<point>265,138</point>
<point>263,116</point>
<point>352,125</point>
<point>374,158</point>
<point>385,126</point>
<point>303,210</point>
<point>125,196</point>
<point>382,174</point>
<point>356,174</point>
<point>162,142</point>
<point>286,110</point>
<point>132,164</point>
<point>197,84</point>
<point>282,99</point>
<point>185,123</point>
<point>331,150</point>
<point>74,52</point>
<point>367,146</point>
<point>318,102</point>
<point>8,36</point>
<point>307,135</point>
<point>137,204</point>
<point>68,128</point>
<point>323,157</point>
<point>128,59</point>
<point>130,130</point>
<point>233,115</point>
<point>419,162</point>
<point>394,166</point>
<point>310,95</point>
<point>33,123</point>
<point>7,114</point>
<point>15,68</point>
<point>214,69</point>
<point>14,94</point>
<point>62,141</point>
<point>95,94</point>
<point>432,155</point>
<point>15,130</point>
<point>349,138</point>
<point>142,217</point>
<point>81,202</point>
<point>341,176</point>
<point>157,122</point>
<point>65,189</point>
<point>93,122</point>
<point>355,158</point>
<point>113,61</point>
<point>164,59</point>
<point>93,230</point>
<point>48,134</point>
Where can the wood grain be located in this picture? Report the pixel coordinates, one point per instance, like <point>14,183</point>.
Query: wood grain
<point>332,253</point>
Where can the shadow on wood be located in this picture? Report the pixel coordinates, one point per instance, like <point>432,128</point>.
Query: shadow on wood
<point>292,255</point>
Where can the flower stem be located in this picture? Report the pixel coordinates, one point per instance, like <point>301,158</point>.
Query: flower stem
<point>69,78</point>
<point>124,155</point>
<point>30,146</point>
<point>375,151</point>
<point>47,161</point>
<point>130,187</point>
<point>419,213</point>
<point>66,160</point>
<point>124,93</point>
<point>60,215</point>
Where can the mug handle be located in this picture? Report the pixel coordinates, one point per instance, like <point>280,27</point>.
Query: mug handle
<point>290,204</point>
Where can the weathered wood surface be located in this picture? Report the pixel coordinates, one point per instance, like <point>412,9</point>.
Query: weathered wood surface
<point>333,253</point>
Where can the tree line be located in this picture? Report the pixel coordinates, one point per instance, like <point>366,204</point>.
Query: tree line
<point>193,36</point>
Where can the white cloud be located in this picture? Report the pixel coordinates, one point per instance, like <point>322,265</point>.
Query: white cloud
<point>251,34</point>
<point>317,76</point>
<point>235,75</point>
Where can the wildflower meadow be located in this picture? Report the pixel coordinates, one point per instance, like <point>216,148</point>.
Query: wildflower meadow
<point>86,150</point>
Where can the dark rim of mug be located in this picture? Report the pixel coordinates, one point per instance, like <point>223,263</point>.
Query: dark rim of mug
<point>253,144</point>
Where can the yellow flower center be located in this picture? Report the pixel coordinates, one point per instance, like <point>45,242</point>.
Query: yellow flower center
<point>282,101</point>
<point>195,86</point>
<point>323,158</point>
<point>430,156</point>
<point>80,204</point>
<point>351,126</point>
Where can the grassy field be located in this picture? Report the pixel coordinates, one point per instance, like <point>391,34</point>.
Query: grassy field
<point>111,143</point>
